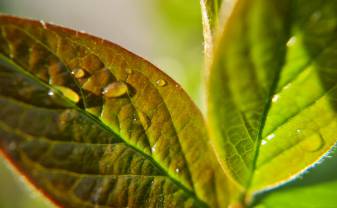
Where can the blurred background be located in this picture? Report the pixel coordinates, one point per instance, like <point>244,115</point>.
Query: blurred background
<point>168,33</point>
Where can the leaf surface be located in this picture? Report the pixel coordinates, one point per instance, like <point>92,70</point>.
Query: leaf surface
<point>93,125</point>
<point>214,14</point>
<point>316,188</point>
<point>272,90</point>
<point>319,195</point>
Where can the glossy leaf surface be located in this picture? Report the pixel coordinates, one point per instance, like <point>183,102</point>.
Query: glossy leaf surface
<point>93,125</point>
<point>317,188</point>
<point>319,195</point>
<point>272,90</point>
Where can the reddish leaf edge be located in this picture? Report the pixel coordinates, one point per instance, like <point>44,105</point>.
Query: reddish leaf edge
<point>99,41</point>
<point>17,20</point>
<point>27,181</point>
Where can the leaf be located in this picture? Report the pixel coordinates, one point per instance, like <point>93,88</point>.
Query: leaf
<point>214,15</point>
<point>319,195</point>
<point>93,125</point>
<point>272,90</point>
<point>315,189</point>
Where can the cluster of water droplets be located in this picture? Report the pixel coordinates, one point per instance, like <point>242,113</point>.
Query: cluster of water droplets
<point>267,139</point>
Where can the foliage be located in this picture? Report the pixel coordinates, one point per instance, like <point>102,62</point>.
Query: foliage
<point>93,125</point>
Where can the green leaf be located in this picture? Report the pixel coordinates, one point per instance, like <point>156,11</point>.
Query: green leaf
<point>214,15</point>
<point>318,195</point>
<point>210,9</point>
<point>272,90</point>
<point>93,125</point>
<point>316,189</point>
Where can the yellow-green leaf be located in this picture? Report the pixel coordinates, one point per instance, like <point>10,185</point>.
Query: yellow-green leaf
<point>214,13</point>
<point>316,188</point>
<point>313,196</point>
<point>272,90</point>
<point>93,125</point>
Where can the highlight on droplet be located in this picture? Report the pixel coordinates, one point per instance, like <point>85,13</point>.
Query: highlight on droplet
<point>115,89</point>
<point>161,82</point>
<point>68,93</point>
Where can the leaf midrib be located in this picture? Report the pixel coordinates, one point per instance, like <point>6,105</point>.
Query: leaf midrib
<point>84,103</point>
<point>105,127</point>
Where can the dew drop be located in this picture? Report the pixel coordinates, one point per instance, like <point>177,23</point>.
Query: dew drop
<point>264,142</point>
<point>291,41</point>
<point>275,98</point>
<point>177,170</point>
<point>78,73</point>
<point>43,24</point>
<point>128,70</point>
<point>69,93</point>
<point>144,119</point>
<point>115,89</point>
<point>270,137</point>
<point>161,82</point>
<point>287,86</point>
<point>51,92</point>
<point>134,117</point>
<point>313,143</point>
<point>153,148</point>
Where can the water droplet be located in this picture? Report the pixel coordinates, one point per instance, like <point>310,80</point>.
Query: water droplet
<point>275,98</point>
<point>51,92</point>
<point>153,148</point>
<point>313,143</point>
<point>270,137</point>
<point>144,119</point>
<point>78,73</point>
<point>161,82</point>
<point>291,41</point>
<point>68,93</point>
<point>264,142</point>
<point>115,89</point>
<point>287,86</point>
<point>43,24</point>
<point>128,70</point>
<point>134,117</point>
<point>177,170</point>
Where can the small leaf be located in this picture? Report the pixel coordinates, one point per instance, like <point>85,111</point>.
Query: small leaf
<point>272,90</point>
<point>318,195</point>
<point>214,14</point>
<point>87,123</point>
<point>315,189</point>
